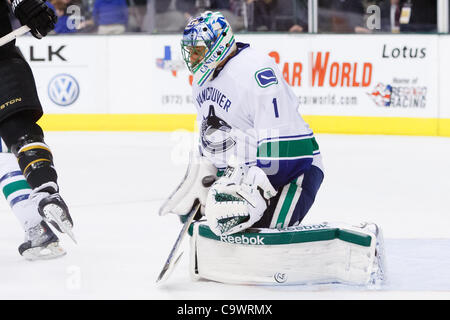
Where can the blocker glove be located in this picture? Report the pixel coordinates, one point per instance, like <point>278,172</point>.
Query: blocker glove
<point>36,15</point>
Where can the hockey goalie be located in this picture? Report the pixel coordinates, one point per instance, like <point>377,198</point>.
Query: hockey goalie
<point>256,173</point>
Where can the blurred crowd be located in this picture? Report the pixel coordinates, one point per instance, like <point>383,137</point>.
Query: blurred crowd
<point>347,16</point>
<point>171,16</point>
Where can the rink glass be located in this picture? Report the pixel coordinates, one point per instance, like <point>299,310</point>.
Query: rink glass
<point>287,16</point>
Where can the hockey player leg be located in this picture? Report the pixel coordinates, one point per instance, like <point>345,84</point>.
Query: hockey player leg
<point>26,140</point>
<point>19,112</point>
<point>40,241</point>
<point>293,201</point>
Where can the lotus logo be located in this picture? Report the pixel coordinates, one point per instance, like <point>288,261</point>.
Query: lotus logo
<point>63,90</point>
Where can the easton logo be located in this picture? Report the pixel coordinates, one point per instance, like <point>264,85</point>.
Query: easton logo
<point>63,90</point>
<point>266,77</point>
<point>243,240</point>
<point>3,106</point>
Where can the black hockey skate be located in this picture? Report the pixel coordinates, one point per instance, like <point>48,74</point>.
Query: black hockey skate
<point>41,244</point>
<point>53,208</point>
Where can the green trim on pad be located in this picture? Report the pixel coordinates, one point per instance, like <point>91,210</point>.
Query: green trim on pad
<point>254,237</point>
<point>354,237</point>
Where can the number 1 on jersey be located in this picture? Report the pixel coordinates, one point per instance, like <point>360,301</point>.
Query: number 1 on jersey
<point>275,107</point>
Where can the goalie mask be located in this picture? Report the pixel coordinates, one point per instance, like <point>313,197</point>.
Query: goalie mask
<point>207,41</point>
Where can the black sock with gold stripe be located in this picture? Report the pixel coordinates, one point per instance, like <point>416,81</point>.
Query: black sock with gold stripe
<point>25,138</point>
<point>35,160</point>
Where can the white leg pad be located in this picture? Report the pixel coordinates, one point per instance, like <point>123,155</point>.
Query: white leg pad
<point>306,254</point>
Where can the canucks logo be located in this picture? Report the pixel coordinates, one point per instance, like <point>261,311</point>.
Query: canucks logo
<point>63,90</point>
<point>266,77</point>
<point>215,133</point>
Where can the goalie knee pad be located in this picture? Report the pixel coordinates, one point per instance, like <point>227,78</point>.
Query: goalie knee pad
<point>306,254</point>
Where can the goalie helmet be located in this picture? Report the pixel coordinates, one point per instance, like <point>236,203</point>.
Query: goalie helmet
<point>207,41</point>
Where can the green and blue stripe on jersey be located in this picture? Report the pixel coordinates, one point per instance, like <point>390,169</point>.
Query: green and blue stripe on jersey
<point>290,156</point>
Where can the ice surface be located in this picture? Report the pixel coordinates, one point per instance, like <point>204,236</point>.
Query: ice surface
<point>115,182</point>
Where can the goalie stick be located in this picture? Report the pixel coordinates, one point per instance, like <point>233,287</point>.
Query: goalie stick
<point>173,258</point>
<point>14,34</point>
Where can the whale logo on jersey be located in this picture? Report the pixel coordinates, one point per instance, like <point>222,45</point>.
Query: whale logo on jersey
<point>266,77</point>
<point>215,134</point>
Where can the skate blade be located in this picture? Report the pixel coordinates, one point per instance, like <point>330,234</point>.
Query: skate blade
<point>52,251</point>
<point>54,215</point>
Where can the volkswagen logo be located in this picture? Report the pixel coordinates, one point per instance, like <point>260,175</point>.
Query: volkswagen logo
<point>63,90</point>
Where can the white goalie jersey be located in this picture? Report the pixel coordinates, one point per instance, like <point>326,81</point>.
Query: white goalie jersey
<point>249,111</point>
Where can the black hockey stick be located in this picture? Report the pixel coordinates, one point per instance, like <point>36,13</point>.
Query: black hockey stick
<point>173,258</point>
<point>13,35</point>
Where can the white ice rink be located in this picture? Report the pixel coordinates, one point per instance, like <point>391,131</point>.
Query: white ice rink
<point>115,182</point>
